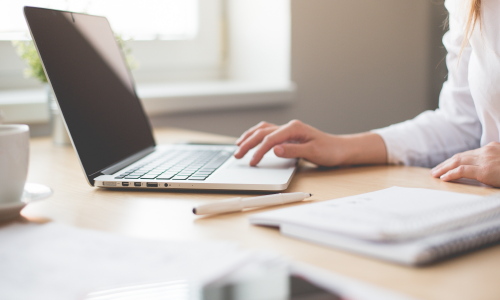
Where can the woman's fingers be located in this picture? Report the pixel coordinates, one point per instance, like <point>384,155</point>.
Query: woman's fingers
<point>474,152</point>
<point>252,141</point>
<point>252,130</point>
<point>293,131</point>
<point>482,164</point>
<point>463,171</point>
<point>454,162</point>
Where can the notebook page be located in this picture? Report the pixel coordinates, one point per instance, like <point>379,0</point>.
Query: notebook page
<point>391,214</point>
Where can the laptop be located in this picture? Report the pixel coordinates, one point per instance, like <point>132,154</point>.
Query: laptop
<point>109,129</point>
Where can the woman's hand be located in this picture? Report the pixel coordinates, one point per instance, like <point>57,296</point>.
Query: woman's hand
<point>482,164</point>
<point>298,140</point>
<point>294,139</point>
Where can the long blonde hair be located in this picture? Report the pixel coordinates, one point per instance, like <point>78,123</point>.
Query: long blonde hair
<point>474,16</point>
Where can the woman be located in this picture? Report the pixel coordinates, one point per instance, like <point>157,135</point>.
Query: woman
<point>460,137</point>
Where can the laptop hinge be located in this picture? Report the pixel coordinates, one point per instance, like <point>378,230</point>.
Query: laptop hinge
<point>127,161</point>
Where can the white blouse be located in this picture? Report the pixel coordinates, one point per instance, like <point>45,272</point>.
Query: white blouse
<point>468,116</point>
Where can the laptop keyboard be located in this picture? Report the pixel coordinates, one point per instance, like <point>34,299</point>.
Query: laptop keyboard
<point>179,165</point>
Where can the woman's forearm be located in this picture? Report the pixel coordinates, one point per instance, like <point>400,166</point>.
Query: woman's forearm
<point>363,148</point>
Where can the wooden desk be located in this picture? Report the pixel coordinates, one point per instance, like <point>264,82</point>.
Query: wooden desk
<point>167,215</point>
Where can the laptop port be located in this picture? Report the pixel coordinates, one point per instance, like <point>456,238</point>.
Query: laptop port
<point>152,184</point>
<point>124,183</point>
<point>137,184</point>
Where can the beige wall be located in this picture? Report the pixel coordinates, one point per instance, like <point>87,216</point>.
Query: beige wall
<point>358,65</point>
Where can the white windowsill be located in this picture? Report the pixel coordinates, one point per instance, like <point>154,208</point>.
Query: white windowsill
<point>29,106</point>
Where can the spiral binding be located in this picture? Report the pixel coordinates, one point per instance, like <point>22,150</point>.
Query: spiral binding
<point>464,239</point>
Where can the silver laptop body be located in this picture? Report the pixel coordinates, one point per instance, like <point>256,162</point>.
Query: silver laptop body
<point>272,174</point>
<point>107,124</point>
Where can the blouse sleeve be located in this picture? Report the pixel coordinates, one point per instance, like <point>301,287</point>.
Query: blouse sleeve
<point>434,136</point>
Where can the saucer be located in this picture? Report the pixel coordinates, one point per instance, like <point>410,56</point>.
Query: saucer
<point>32,192</point>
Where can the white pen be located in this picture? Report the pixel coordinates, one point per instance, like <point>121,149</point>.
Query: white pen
<point>238,204</point>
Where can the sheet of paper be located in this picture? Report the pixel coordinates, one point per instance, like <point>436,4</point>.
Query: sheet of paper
<point>56,261</point>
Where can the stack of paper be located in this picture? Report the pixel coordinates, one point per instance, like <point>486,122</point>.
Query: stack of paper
<point>405,225</point>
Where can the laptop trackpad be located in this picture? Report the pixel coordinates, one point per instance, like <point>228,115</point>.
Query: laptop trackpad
<point>269,161</point>
<point>271,170</point>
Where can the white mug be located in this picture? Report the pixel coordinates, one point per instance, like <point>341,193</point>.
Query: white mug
<point>14,159</point>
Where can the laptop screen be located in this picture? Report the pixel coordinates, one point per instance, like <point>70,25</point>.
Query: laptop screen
<point>93,86</point>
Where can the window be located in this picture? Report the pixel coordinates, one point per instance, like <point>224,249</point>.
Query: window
<point>217,54</point>
<point>171,40</point>
<point>139,20</point>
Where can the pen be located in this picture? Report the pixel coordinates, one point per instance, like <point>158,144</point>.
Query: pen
<point>238,204</point>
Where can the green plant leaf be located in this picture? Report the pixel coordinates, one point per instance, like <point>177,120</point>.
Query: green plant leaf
<point>27,51</point>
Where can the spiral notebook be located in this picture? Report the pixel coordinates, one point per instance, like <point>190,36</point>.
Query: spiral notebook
<point>405,225</point>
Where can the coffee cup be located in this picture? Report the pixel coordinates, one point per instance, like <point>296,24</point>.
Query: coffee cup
<point>14,159</point>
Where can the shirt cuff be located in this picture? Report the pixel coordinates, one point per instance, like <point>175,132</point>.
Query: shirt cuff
<point>396,152</point>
